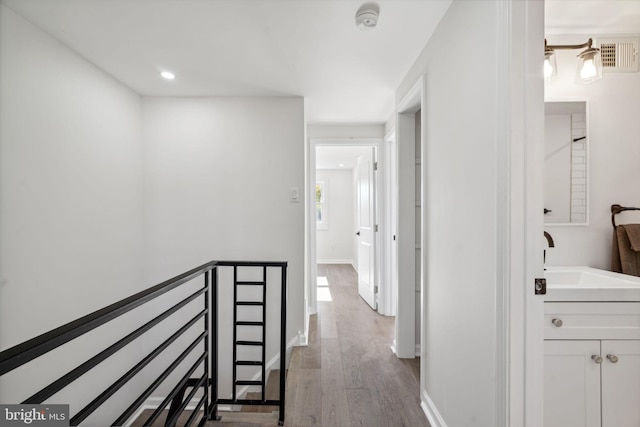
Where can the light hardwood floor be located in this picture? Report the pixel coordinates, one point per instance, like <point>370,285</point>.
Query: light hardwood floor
<point>347,375</point>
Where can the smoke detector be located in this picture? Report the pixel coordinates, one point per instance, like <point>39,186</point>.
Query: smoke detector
<point>367,16</point>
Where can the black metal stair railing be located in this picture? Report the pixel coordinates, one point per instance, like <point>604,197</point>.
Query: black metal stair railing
<point>178,399</point>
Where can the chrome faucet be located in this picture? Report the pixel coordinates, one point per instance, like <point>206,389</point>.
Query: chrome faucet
<point>551,245</point>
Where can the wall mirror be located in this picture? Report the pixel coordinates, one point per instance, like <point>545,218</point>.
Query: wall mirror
<point>566,176</point>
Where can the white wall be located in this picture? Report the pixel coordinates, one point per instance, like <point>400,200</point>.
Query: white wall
<point>459,160</point>
<point>70,197</point>
<point>345,131</point>
<point>613,105</point>
<point>218,174</point>
<point>335,243</point>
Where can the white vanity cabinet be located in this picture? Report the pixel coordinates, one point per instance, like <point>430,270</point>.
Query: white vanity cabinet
<point>592,364</point>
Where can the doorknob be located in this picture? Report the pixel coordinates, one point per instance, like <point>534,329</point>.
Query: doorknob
<point>357,233</point>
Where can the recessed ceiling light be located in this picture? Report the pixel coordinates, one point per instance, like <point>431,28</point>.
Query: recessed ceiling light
<point>341,165</point>
<point>168,75</point>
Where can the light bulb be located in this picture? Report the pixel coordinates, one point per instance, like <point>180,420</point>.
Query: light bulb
<point>548,68</point>
<point>168,75</point>
<point>588,69</point>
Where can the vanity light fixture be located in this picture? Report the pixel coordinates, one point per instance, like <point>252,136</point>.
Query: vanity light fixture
<point>367,16</point>
<point>590,67</point>
<point>168,75</point>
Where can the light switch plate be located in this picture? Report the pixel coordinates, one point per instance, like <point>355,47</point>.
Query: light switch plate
<point>294,195</point>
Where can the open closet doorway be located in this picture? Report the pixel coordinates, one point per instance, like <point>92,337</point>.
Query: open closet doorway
<point>410,271</point>
<point>347,189</point>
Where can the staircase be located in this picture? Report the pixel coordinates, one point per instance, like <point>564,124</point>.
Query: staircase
<point>271,392</point>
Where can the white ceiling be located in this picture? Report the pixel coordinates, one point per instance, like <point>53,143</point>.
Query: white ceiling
<point>308,48</point>
<point>604,17</point>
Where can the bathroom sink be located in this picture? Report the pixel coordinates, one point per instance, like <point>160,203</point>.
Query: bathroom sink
<point>590,284</point>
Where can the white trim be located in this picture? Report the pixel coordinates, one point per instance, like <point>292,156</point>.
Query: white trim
<point>310,294</point>
<point>355,266</point>
<point>432,413</point>
<point>520,383</point>
<point>336,261</point>
<point>503,220</point>
<point>406,225</point>
<point>388,287</point>
<point>303,338</point>
<point>413,100</point>
<point>136,415</point>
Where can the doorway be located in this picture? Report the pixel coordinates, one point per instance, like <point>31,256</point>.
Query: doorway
<point>410,232</point>
<point>347,207</point>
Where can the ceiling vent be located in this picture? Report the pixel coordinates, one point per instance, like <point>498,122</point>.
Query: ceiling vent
<point>619,54</point>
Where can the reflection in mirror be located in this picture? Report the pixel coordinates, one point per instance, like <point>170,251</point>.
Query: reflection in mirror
<point>566,148</point>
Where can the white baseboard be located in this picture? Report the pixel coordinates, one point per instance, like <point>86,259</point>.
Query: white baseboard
<point>394,349</point>
<point>303,338</point>
<point>335,261</point>
<point>430,410</point>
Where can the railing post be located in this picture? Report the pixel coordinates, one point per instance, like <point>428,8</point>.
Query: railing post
<point>283,341</point>
<point>207,347</point>
<point>213,355</point>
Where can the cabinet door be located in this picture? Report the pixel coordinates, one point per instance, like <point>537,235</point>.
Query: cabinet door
<point>571,383</point>
<point>621,383</point>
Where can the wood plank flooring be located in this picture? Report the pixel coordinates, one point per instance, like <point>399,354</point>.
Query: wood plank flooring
<point>347,375</point>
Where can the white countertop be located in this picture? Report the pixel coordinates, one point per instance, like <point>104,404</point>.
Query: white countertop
<point>590,284</point>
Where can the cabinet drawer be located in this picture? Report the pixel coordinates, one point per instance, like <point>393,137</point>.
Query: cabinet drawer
<point>597,320</point>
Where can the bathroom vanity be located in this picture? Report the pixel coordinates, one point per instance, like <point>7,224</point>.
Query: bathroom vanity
<point>592,348</point>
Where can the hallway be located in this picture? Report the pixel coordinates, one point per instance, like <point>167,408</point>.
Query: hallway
<point>348,376</point>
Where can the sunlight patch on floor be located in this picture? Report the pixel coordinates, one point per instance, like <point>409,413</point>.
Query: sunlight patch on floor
<point>322,281</point>
<point>324,294</point>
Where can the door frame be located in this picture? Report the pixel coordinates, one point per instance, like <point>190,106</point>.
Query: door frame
<point>390,226</point>
<point>408,242</point>
<point>311,299</point>
<point>521,120</point>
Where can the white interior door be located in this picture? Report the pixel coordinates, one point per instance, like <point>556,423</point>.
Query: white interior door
<point>366,227</point>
